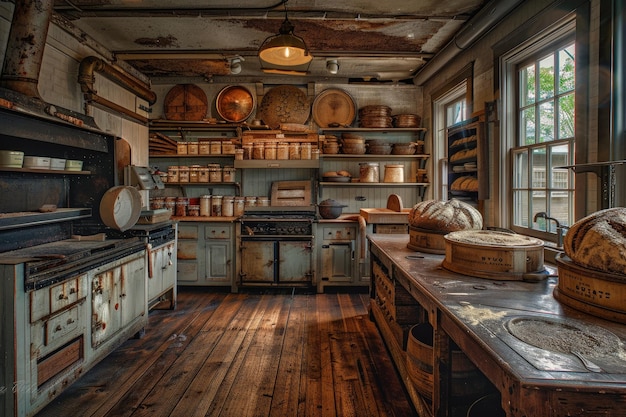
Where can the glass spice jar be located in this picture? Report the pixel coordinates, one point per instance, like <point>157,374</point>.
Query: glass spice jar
<point>270,151</point>
<point>205,205</point>
<point>228,206</point>
<point>282,150</point>
<point>216,147</point>
<point>215,173</point>
<point>193,210</point>
<point>305,151</point>
<point>181,206</point>
<point>294,150</point>
<point>228,174</point>
<point>238,206</point>
<point>192,148</point>
<point>258,150</point>
<point>216,205</point>
<point>183,174</point>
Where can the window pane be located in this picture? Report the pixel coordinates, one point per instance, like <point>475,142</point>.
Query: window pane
<point>520,179</point>
<point>527,85</point>
<point>566,116</point>
<point>546,78</point>
<point>560,208</point>
<point>546,122</point>
<point>539,206</point>
<point>539,180</point>
<point>527,127</point>
<point>559,155</point>
<point>566,69</point>
<point>520,202</point>
<point>455,112</point>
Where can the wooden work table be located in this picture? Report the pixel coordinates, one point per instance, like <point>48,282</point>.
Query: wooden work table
<point>476,314</point>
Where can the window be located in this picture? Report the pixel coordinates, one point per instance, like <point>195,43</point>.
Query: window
<point>449,108</point>
<point>540,77</point>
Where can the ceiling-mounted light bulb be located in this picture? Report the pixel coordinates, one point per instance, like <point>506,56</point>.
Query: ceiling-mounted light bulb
<point>332,66</point>
<point>235,65</point>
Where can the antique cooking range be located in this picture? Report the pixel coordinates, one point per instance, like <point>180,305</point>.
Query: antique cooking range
<point>72,289</point>
<point>277,242</point>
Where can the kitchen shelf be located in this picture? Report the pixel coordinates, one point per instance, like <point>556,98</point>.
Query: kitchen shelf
<point>45,171</point>
<point>277,163</point>
<point>186,184</point>
<point>32,218</point>
<point>372,184</point>
<point>372,156</point>
<point>374,129</point>
<point>181,156</point>
<point>161,124</point>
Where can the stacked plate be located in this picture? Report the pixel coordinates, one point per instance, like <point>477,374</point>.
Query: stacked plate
<point>375,116</point>
<point>407,120</point>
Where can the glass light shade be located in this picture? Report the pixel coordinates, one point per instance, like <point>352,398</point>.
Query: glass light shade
<point>285,50</point>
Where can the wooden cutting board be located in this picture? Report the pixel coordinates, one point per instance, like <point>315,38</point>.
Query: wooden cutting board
<point>122,157</point>
<point>185,102</point>
<point>394,203</point>
<point>291,193</point>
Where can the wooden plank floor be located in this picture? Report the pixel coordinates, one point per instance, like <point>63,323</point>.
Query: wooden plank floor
<point>279,354</point>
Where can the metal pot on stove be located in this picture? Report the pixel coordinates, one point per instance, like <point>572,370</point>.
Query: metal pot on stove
<point>330,209</point>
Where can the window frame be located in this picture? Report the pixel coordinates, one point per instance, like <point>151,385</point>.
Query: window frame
<point>549,40</point>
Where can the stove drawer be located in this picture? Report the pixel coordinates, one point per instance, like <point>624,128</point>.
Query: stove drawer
<point>217,232</point>
<point>57,328</point>
<point>49,300</point>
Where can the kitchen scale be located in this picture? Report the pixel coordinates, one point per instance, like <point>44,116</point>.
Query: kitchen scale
<point>144,180</point>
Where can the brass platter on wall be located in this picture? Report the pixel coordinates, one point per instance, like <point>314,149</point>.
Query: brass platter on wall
<point>234,103</point>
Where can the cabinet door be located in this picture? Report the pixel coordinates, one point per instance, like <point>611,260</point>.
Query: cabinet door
<point>168,265</point>
<point>337,261</point>
<point>133,296</point>
<point>189,253</point>
<point>106,312</point>
<point>218,262</point>
<point>155,277</point>
<point>162,270</point>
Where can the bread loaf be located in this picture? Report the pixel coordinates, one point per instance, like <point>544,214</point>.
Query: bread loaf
<point>598,241</point>
<point>465,183</point>
<point>445,216</point>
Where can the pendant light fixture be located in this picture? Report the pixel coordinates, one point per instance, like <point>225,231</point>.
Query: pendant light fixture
<point>285,49</point>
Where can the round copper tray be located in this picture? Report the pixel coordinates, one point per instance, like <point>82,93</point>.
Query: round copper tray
<point>234,103</point>
<point>333,107</point>
<point>284,104</point>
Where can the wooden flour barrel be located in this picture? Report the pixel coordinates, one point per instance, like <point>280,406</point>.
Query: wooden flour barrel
<point>468,383</point>
<point>594,292</point>
<point>429,241</point>
<point>493,254</point>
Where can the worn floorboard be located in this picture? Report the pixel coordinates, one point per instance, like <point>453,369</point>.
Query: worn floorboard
<point>253,354</point>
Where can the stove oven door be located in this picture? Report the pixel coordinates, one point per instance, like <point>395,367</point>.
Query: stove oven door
<point>295,260</point>
<point>258,264</point>
<point>275,260</point>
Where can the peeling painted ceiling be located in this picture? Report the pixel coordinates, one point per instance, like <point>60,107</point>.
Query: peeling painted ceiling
<point>386,40</point>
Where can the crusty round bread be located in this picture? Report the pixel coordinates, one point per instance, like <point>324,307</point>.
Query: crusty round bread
<point>598,241</point>
<point>445,216</point>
